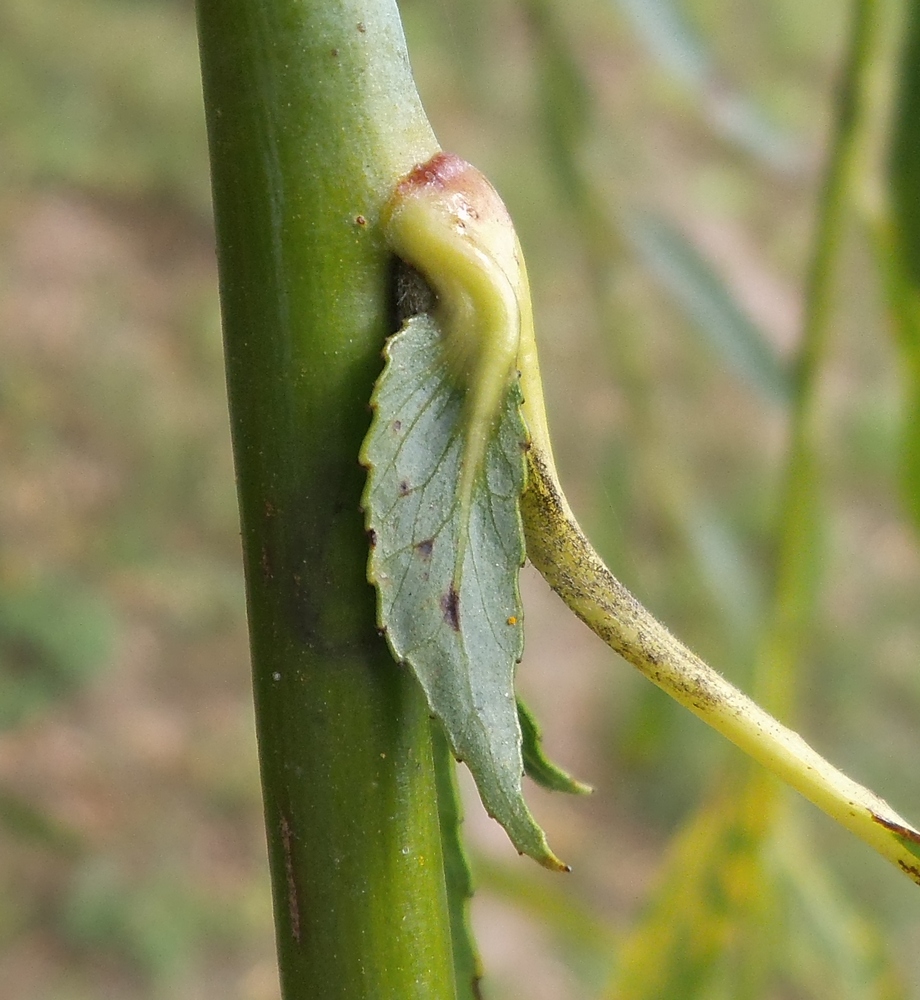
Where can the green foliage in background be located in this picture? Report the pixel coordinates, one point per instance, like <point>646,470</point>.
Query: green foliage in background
<point>52,639</point>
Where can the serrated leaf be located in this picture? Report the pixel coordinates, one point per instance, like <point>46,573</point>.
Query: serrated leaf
<point>537,766</point>
<point>446,570</point>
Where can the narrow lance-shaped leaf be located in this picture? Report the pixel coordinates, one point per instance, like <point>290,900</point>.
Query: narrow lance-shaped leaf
<point>673,42</point>
<point>720,319</point>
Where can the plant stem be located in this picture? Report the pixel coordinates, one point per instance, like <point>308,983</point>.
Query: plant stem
<point>791,609</point>
<point>312,119</point>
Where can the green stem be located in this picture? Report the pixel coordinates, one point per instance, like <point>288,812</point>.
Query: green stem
<point>792,604</point>
<point>312,119</point>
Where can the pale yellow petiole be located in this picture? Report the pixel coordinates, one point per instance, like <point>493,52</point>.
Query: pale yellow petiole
<point>448,222</point>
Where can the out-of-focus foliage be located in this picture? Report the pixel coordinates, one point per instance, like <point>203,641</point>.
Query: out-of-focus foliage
<point>103,93</point>
<point>51,639</point>
<point>735,339</point>
<point>900,251</point>
<point>131,851</point>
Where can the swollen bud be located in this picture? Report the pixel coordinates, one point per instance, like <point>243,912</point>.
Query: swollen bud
<point>449,223</point>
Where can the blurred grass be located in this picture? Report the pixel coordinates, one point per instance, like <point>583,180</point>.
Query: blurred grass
<point>131,851</point>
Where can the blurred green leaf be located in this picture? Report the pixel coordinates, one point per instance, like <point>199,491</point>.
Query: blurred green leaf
<point>457,874</point>
<point>670,38</point>
<point>35,827</point>
<point>564,100</point>
<point>723,565</point>
<point>53,637</point>
<point>904,166</point>
<point>898,246</point>
<point>672,41</point>
<point>690,279</point>
<point>153,923</point>
<point>711,917</point>
<point>104,94</point>
<point>833,949</point>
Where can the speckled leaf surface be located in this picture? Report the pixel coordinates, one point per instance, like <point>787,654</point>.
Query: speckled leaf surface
<point>454,620</point>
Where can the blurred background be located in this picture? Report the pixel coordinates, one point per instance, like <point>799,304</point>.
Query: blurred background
<point>662,160</point>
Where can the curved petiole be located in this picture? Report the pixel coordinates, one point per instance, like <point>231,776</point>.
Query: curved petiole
<point>558,548</point>
<point>448,222</point>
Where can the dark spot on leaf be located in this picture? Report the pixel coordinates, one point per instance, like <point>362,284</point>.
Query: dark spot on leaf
<point>450,605</point>
<point>404,489</point>
<point>371,537</point>
<point>424,548</point>
<point>334,53</point>
<point>397,426</point>
<point>361,27</point>
<point>360,220</point>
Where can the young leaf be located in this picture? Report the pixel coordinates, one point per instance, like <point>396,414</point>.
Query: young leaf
<point>457,627</point>
<point>537,766</point>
